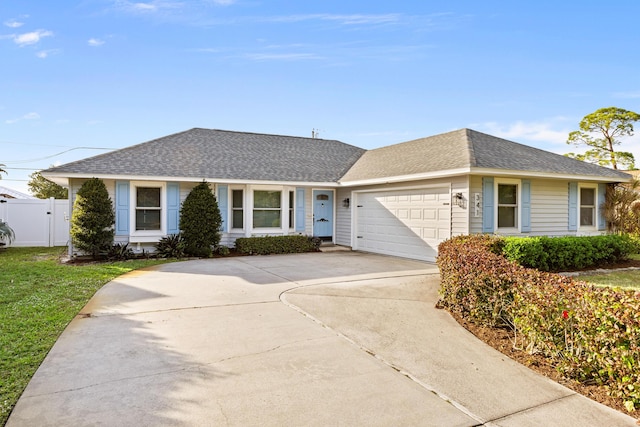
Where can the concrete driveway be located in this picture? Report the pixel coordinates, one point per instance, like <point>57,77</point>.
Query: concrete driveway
<point>341,338</point>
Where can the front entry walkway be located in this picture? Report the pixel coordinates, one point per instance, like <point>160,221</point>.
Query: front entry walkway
<point>340,338</point>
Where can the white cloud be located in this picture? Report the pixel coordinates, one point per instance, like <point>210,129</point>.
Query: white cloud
<point>33,37</point>
<point>355,19</point>
<point>28,116</point>
<point>552,131</point>
<point>147,7</point>
<point>46,53</point>
<point>281,56</point>
<point>95,42</point>
<point>627,95</point>
<point>12,23</point>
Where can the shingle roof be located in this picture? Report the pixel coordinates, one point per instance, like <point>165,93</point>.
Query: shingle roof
<point>226,155</point>
<point>217,154</point>
<point>467,149</point>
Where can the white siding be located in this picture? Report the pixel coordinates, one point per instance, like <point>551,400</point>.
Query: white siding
<point>549,207</point>
<point>343,217</point>
<point>475,222</point>
<point>460,214</point>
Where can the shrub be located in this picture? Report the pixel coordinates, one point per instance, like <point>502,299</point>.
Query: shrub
<point>591,334</point>
<point>93,218</point>
<point>171,246</point>
<point>569,252</point>
<point>276,245</point>
<point>200,221</point>
<point>223,250</point>
<point>120,252</point>
<point>6,233</point>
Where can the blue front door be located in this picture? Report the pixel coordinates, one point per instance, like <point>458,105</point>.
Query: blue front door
<point>323,214</point>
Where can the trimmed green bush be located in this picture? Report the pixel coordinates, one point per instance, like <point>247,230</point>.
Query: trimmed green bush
<point>569,252</point>
<point>591,334</point>
<point>267,245</point>
<point>93,218</point>
<point>200,221</point>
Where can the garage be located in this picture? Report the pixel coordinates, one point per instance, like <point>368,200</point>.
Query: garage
<point>406,223</point>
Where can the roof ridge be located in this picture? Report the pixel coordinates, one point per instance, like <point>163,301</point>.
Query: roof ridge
<point>471,152</point>
<point>266,134</point>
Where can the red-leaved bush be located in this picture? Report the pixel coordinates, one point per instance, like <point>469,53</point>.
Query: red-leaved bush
<point>592,334</point>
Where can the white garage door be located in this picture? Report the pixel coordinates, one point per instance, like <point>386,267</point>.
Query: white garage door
<point>405,223</point>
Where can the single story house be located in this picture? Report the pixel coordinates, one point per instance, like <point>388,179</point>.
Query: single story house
<point>401,200</point>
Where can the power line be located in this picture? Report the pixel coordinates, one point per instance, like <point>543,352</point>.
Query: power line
<point>57,154</point>
<point>26,169</point>
<point>47,145</point>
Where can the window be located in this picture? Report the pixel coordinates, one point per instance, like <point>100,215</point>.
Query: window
<point>267,209</point>
<point>148,209</point>
<point>507,205</point>
<point>237,211</point>
<point>587,207</point>
<point>291,209</point>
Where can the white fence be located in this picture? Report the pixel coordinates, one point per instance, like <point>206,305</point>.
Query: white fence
<point>37,222</point>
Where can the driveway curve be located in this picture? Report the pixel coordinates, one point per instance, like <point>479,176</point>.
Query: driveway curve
<point>339,338</point>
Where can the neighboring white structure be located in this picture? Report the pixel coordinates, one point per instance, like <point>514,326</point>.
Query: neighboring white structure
<point>9,193</point>
<point>36,222</point>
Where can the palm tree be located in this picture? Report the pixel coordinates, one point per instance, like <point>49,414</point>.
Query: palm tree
<point>6,233</point>
<point>2,170</point>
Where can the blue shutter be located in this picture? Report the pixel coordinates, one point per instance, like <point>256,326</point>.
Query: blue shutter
<point>223,205</point>
<point>173,208</point>
<point>525,221</point>
<point>487,205</point>
<point>602,191</point>
<point>122,208</point>
<point>300,213</point>
<point>573,206</point>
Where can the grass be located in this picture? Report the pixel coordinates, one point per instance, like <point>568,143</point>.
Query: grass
<point>629,279</point>
<point>39,296</point>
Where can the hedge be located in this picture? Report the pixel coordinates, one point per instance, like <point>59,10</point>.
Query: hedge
<point>591,334</point>
<point>276,245</point>
<point>569,252</point>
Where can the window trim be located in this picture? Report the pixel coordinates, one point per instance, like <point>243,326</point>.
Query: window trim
<point>133,193</point>
<point>496,207</point>
<point>251,209</point>
<point>291,209</point>
<point>243,209</point>
<point>596,209</point>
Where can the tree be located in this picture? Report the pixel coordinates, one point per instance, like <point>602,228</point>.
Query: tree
<point>600,130</point>
<point>621,207</point>
<point>200,221</point>
<point>42,188</point>
<point>93,218</point>
<point>2,170</point>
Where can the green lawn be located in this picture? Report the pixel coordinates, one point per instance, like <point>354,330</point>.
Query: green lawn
<point>39,296</point>
<point>620,279</point>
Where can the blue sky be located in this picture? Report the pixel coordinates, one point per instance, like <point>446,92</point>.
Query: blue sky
<point>93,74</point>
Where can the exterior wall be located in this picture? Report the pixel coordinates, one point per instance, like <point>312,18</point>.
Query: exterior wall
<point>459,214</point>
<point>549,208</point>
<point>343,217</point>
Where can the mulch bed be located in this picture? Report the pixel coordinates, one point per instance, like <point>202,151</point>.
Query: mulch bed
<point>502,340</point>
